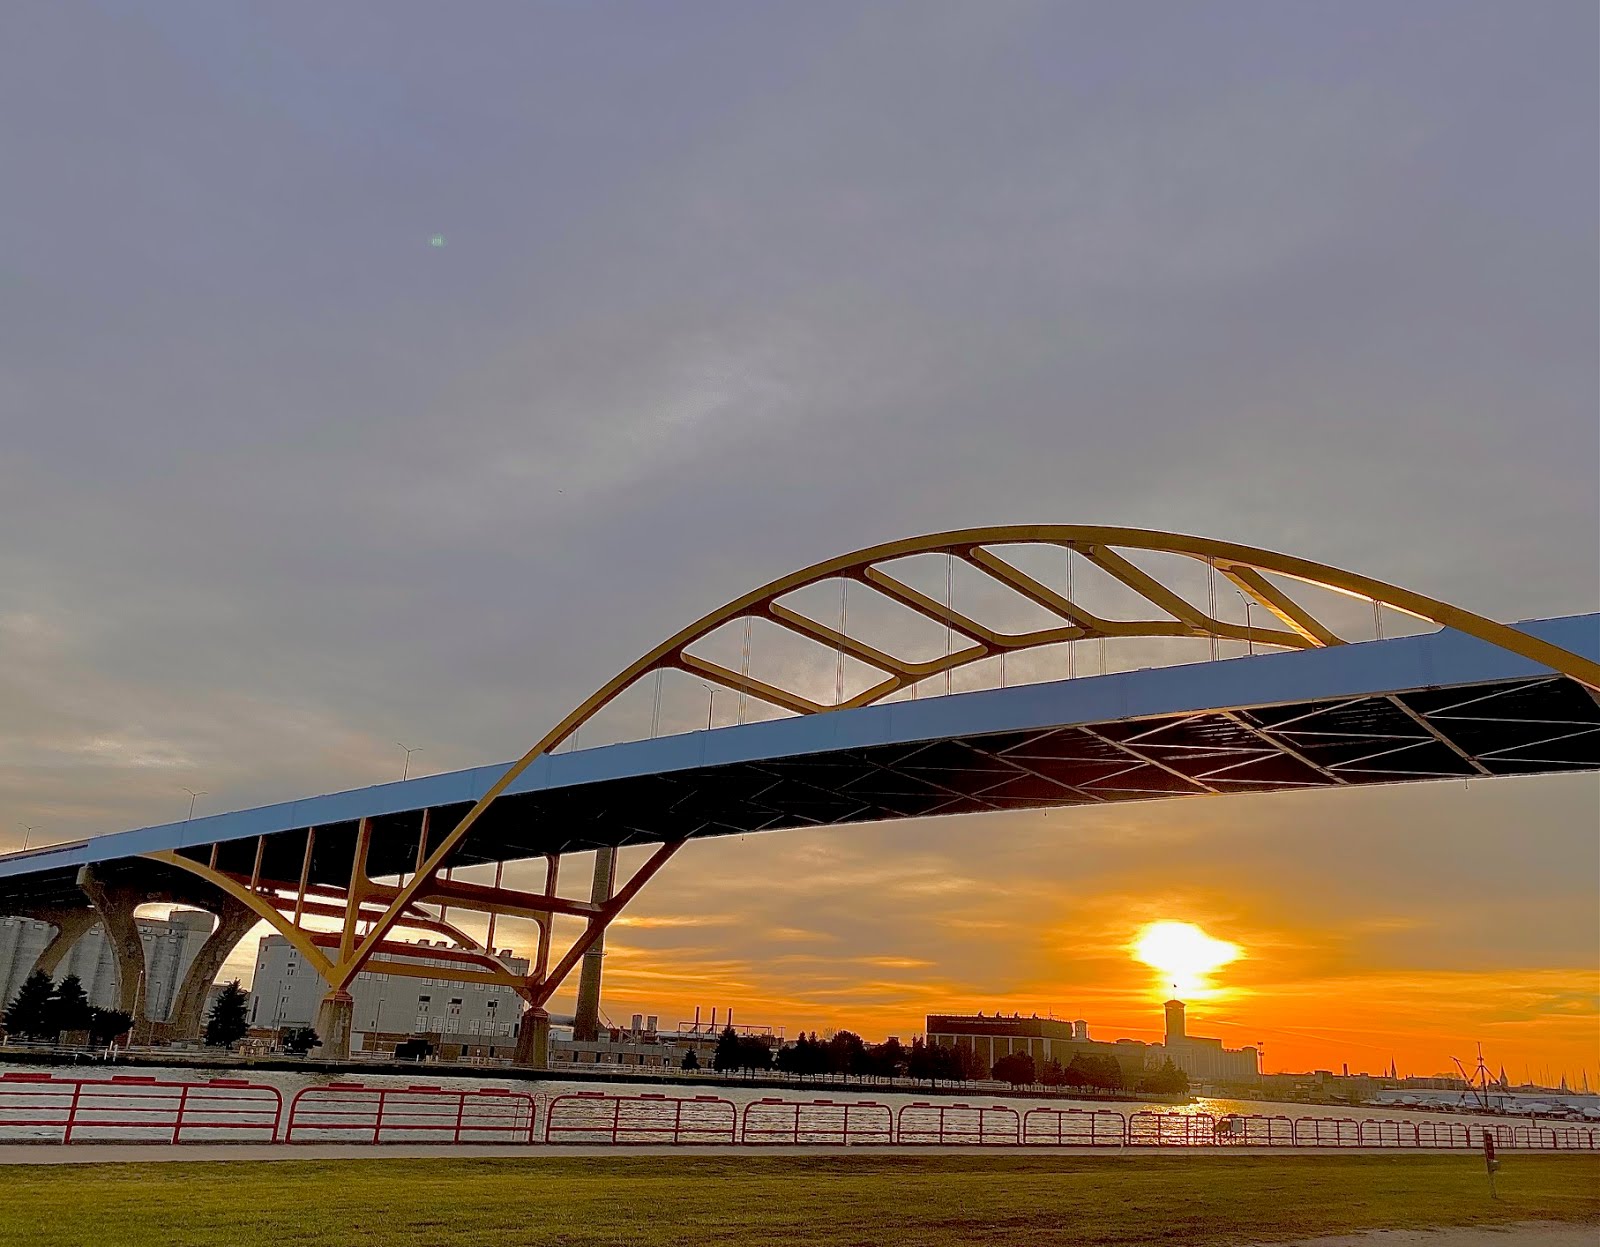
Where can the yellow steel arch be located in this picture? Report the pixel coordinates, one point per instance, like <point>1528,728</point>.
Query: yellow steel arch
<point>1247,567</point>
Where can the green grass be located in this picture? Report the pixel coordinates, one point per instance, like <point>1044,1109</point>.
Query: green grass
<point>777,1200</point>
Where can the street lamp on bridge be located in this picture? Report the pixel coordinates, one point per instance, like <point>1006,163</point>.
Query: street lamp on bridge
<point>193,797</point>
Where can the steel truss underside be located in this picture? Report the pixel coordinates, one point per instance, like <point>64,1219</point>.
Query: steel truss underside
<point>1518,727</point>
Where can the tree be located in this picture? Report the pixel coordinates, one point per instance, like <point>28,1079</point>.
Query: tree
<point>69,1008</point>
<point>299,1040</point>
<point>754,1053</point>
<point>726,1058</point>
<point>28,1012</point>
<point>847,1053</point>
<point>227,1024</point>
<point>1168,1080</point>
<point>1015,1068</point>
<point>921,1063</point>
<point>888,1059</point>
<point>690,1060</point>
<point>108,1024</point>
<point>1051,1074</point>
<point>1102,1072</point>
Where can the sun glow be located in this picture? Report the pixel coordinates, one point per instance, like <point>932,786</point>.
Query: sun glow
<point>1185,955</point>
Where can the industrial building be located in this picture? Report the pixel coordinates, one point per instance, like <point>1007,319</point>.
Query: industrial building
<point>1044,1039</point>
<point>1048,1039</point>
<point>1204,1060</point>
<point>461,1019</point>
<point>170,944</point>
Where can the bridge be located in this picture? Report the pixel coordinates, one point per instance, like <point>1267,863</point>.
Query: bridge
<point>1305,708</point>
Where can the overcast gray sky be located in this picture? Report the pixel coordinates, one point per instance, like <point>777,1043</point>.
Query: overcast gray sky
<point>728,288</point>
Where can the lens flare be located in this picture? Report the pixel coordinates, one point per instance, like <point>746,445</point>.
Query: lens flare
<point>1185,955</point>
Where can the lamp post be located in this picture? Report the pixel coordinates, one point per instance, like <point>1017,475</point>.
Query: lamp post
<point>193,797</point>
<point>405,771</point>
<point>1249,628</point>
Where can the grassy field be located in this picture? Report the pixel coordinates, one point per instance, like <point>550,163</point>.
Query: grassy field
<point>770,1200</point>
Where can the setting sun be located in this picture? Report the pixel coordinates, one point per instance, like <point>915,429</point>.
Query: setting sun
<point>1184,954</point>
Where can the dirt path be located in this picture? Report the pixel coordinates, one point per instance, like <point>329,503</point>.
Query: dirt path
<point>1531,1235</point>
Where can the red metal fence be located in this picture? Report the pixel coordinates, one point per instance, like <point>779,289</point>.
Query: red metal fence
<point>137,1109</point>
<point>985,1125</point>
<point>1073,1127</point>
<point>45,1108</point>
<point>1327,1132</point>
<point>1153,1129</point>
<point>1517,1137</point>
<point>837,1122</point>
<point>355,1112</point>
<point>593,1117</point>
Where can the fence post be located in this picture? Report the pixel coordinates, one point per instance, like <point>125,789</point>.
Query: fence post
<point>72,1112</point>
<point>177,1120</point>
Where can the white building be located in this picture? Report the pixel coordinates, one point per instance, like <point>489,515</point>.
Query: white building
<point>463,1019</point>
<point>170,944</point>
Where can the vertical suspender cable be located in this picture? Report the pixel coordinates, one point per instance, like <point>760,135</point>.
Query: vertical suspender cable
<point>949,632</point>
<point>655,713</point>
<point>838,670</point>
<point>1211,602</point>
<point>744,669</point>
<point>1072,646</point>
<point>1377,619</point>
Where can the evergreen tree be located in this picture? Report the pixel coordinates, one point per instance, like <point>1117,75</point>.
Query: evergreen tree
<point>108,1024</point>
<point>28,1012</point>
<point>727,1054</point>
<point>690,1060</point>
<point>69,1008</point>
<point>227,1024</point>
<point>299,1040</point>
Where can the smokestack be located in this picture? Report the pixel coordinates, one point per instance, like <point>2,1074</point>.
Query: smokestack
<point>637,1023</point>
<point>652,1024</point>
<point>697,1018</point>
<point>713,1018</point>
<point>586,1018</point>
<point>730,1017</point>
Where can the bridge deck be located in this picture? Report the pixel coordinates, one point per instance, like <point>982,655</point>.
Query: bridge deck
<point>1439,706</point>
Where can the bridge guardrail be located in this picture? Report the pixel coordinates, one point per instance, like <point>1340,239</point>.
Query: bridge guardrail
<point>103,1109</point>
<point>336,1111</point>
<point>595,1117</point>
<point>1073,1127</point>
<point>991,1125</point>
<point>775,1121</point>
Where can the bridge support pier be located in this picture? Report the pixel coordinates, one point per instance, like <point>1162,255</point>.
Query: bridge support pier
<point>71,926</point>
<point>234,920</point>
<point>533,1039</point>
<point>114,908</point>
<point>586,1019</point>
<point>335,1020</point>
